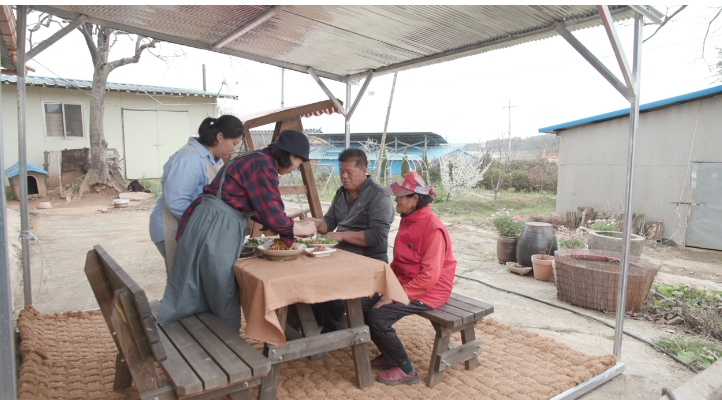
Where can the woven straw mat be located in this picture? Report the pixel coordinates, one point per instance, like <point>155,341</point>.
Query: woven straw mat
<point>72,356</point>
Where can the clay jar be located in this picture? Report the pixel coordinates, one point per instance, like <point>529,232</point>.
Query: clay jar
<point>506,249</point>
<point>536,238</point>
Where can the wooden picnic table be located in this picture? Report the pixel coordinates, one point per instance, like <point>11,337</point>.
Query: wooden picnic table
<point>268,288</point>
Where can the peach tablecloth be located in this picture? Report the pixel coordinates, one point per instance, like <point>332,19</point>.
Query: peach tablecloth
<point>269,285</point>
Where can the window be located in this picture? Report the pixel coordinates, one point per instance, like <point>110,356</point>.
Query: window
<point>63,120</point>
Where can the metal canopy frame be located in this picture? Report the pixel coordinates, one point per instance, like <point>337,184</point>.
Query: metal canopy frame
<point>629,89</point>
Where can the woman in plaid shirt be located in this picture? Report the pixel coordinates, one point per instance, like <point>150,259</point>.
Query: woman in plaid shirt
<point>213,228</point>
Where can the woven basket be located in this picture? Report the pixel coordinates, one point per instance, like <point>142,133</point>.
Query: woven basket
<point>590,279</point>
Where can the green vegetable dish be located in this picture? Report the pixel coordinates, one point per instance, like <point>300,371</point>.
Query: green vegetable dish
<point>254,242</point>
<point>319,240</point>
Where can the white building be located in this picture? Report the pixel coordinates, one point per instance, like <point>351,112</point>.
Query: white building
<point>678,165</point>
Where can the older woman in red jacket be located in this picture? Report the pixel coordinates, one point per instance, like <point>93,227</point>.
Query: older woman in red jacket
<point>425,266</point>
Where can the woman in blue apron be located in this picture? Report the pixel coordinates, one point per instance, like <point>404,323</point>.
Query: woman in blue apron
<point>186,173</point>
<point>213,228</point>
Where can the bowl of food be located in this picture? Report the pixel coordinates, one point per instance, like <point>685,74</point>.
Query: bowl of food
<point>319,251</point>
<point>325,241</point>
<point>278,251</point>
<point>253,243</point>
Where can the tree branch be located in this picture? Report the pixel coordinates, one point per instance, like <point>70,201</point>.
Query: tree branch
<point>666,19</point>
<point>87,30</point>
<point>136,57</point>
<point>704,42</point>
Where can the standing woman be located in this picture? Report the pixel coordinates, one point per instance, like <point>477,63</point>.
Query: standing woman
<point>425,266</point>
<point>213,229</point>
<point>186,173</point>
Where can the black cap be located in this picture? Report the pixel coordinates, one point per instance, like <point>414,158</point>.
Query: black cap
<point>293,142</point>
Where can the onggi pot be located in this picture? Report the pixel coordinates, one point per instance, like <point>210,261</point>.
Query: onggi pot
<point>536,238</point>
<point>612,241</point>
<point>506,249</point>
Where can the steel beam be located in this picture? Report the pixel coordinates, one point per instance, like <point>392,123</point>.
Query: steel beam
<point>617,48</point>
<point>591,384</point>
<point>326,90</point>
<point>601,68</point>
<point>249,26</point>
<point>347,122</point>
<point>22,155</point>
<point>56,36</point>
<point>360,94</point>
<point>629,198</point>
<point>8,386</point>
<point>650,12</point>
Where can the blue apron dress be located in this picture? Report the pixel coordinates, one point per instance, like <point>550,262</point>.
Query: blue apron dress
<point>202,277</point>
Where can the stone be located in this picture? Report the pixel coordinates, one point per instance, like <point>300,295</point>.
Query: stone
<point>104,210</point>
<point>45,205</point>
<point>675,321</point>
<point>135,196</point>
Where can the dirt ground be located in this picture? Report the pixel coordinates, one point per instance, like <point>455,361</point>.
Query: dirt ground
<point>68,230</point>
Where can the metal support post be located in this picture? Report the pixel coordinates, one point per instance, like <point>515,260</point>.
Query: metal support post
<point>346,116</point>
<point>628,211</point>
<point>22,155</point>
<point>8,386</point>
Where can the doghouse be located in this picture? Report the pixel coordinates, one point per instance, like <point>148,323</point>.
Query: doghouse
<point>36,180</point>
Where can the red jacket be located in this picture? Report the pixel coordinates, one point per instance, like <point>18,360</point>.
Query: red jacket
<point>423,260</point>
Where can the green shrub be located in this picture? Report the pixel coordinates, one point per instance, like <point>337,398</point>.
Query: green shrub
<point>603,225</point>
<point>520,181</point>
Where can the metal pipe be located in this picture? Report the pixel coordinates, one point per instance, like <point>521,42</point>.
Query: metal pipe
<point>56,36</point>
<point>628,211</point>
<point>204,77</point>
<point>346,116</point>
<point>360,94</point>
<point>22,155</point>
<point>617,47</point>
<point>379,159</point>
<point>249,26</point>
<point>283,70</point>
<point>325,89</point>
<point>8,386</point>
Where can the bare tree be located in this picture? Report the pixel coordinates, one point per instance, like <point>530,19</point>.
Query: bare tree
<point>100,40</point>
<point>506,150</point>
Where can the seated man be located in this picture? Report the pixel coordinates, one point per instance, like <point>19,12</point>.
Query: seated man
<point>425,265</point>
<point>360,214</point>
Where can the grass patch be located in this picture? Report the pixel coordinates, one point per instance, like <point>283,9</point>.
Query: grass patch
<point>475,206</point>
<point>610,337</point>
<point>560,330</point>
<point>700,309</point>
<point>34,213</point>
<point>152,184</point>
<point>698,353</point>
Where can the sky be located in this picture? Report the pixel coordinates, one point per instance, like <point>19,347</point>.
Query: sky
<point>467,100</point>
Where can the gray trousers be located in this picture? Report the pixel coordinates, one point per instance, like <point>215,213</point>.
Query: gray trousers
<point>381,321</point>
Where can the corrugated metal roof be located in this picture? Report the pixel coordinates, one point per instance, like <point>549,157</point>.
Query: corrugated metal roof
<point>412,138</point>
<point>655,105</point>
<point>344,42</point>
<point>15,170</point>
<point>112,87</point>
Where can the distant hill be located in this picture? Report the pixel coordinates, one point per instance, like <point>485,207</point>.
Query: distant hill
<point>537,143</point>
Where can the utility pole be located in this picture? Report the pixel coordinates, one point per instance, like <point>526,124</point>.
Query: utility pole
<point>509,107</point>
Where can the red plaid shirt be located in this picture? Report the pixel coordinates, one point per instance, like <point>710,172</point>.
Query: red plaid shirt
<point>251,185</point>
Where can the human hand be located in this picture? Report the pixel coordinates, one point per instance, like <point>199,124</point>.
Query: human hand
<point>304,228</point>
<point>382,302</point>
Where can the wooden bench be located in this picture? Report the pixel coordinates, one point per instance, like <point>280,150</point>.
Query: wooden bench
<point>201,356</point>
<point>460,313</point>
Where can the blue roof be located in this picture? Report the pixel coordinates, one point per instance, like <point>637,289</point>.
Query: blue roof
<point>113,87</point>
<point>15,170</point>
<point>685,98</point>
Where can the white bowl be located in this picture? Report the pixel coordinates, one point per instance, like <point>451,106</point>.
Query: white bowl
<point>280,255</point>
<point>325,253</point>
<point>121,203</point>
